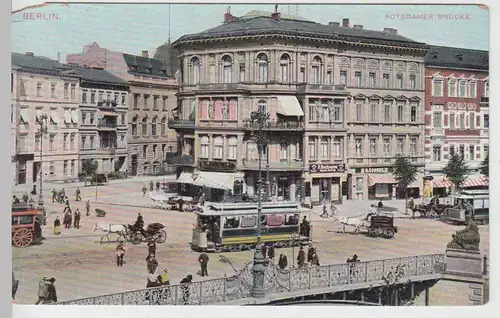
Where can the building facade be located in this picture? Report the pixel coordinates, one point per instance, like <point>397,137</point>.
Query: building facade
<point>343,102</point>
<point>41,86</point>
<point>150,102</point>
<point>456,108</point>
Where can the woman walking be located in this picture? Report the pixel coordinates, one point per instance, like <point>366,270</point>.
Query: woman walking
<point>120,253</point>
<point>57,226</point>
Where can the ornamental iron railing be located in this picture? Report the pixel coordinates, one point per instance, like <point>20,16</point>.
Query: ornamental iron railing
<point>220,290</point>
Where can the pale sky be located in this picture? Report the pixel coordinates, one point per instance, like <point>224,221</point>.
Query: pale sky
<point>131,28</point>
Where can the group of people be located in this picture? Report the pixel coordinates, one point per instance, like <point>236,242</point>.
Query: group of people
<point>151,187</point>
<point>333,211</point>
<point>70,218</point>
<point>47,291</point>
<point>312,257</point>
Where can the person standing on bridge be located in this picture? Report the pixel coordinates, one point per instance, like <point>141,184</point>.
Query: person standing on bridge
<point>185,288</point>
<point>301,257</point>
<point>283,261</point>
<point>42,290</point>
<point>51,291</point>
<point>270,253</point>
<point>264,250</point>
<point>203,259</point>
<point>152,264</point>
<point>325,212</point>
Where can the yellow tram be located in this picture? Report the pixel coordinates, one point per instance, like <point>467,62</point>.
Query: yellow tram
<point>225,227</point>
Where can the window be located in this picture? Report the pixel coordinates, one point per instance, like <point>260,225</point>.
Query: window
<point>400,146</point>
<point>84,97</point>
<point>92,142</point>
<point>65,167</point>
<point>462,89</point>
<point>413,147</point>
<point>371,79</point>
<point>284,68</point>
<point>154,151</point>
<point>452,149</point>
<point>343,77</point>
<point>386,80</point>
<point>413,82</point>
<point>146,100</point>
<point>92,97</point>
<point>486,89</point>
<point>437,119</point>
<point>262,68</point>
<point>145,153</point>
<point>413,113</point>
<point>461,150</point>
<point>373,113</point>
<point>336,111</point>
<point>373,146</point>
<point>242,72</point>
<point>437,87</point>
<point>52,137</point>
<point>52,168</point>
<point>452,120</point>
<point>452,88</point>
<point>232,148</point>
<point>72,167</point>
<point>204,147</point>
<point>108,96</point>
<point>312,148</point>
<point>472,120</point>
<point>329,77</point>
<point>387,113</point>
<point>153,126</point>
<point>283,151</point>
<point>134,126</point>
<point>359,112</point>
<point>155,102</point>
<point>324,149</point>
<point>486,150</point>
<point>23,115</point>
<point>122,119</point>
<point>124,99</point>
<point>358,147</point>
<point>316,70</point>
<point>194,71</point>
<point>400,113</point>
<point>359,184</point>
<point>218,147</point>
<point>100,99</point>
<point>53,90</point>
<point>212,73</point>
<point>227,67</point>
<point>336,147</point>
<point>471,152</point>
<point>472,90</point>
<point>302,75</point>
<point>136,101</point>
<point>72,141</point>
<point>486,120</point>
<point>387,147</point>
<point>163,126</point>
<point>37,143</point>
<point>357,77</point>
<point>66,90</point>
<point>462,121</point>
<point>164,103</point>
<point>115,98</point>
<point>22,143</point>
<point>436,153</point>
<point>399,81</point>
<point>262,106</point>
<point>39,89</point>
<point>82,142</point>
<point>144,126</point>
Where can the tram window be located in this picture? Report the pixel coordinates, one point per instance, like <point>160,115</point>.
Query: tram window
<point>478,204</point>
<point>248,221</point>
<point>26,219</point>
<point>292,219</point>
<point>232,222</point>
<point>15,220</point>
<point>263,220</point>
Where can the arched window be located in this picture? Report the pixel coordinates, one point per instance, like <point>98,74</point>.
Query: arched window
<point>218,147</point>
<point>227,66</point>
<point>262,106</point>
<point>262,65</point>
<point>163,126</point>
<point>204,147</point>
<point>153,126</point>
<point>194,70</point>
<point>144,126</point>
<point>316,70</point>
<point>134,126</point>
<point>285,68</point>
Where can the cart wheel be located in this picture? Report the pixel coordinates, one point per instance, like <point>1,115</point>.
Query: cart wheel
<point>388,233</point>
<point>371,232</point>
<point>135,238</point>
<point>186,208</point>
<point>162,236</point>
<point>22,238</point>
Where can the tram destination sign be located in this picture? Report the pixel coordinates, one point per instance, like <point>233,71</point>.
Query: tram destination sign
<point>330,167</point>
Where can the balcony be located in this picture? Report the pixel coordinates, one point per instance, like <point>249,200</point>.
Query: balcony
<point>381,161</point>
<point>293,165</point>
<point>181,123</point>
<point>106,151</point>
<point>107,126</point>
<point>310,88</point>
<point>178,159</point>
<point>273,125</point>
<point>107,104</point>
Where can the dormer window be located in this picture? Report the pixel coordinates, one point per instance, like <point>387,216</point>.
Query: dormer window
<point>460,57</point>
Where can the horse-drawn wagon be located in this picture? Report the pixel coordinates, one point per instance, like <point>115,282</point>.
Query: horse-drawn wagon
<point>26,226</point>
<point>382,226</point>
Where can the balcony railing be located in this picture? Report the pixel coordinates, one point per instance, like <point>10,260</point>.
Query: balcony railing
<point>106,125</point>
<point>273,125</point>
<point>387,161</point>
<point>219,86</point>
<point>437,131</point>
<point>323,88</point>
<point>107,150</point>
<point>181,123</point>
<point>107,104</point>
<point>295,164</point>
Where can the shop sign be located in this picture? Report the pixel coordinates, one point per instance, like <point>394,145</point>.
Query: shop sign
<point>376,170</point>
<point>329,167</point>
<point>216,166</point>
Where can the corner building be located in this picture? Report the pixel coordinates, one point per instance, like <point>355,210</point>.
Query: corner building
<point>343,101</point>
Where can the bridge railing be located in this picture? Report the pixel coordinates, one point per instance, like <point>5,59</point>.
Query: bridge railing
<point>239,286</point>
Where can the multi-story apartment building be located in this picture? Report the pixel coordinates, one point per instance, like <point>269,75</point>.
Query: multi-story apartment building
<point>41,86</point>
<point>343,102</point>
<point>456,108</point>
<point>151,100</point>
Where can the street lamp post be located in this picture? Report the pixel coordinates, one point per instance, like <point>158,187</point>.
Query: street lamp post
<point>294,237</point>
<point>41,132</point>
<point>268,180</point>
<point>259,119</point>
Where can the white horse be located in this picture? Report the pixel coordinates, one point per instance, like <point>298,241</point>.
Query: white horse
<point>354,221</point>
<point>111,228</point>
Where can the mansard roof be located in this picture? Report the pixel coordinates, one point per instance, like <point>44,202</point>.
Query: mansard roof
<point>453,57</point>
<point>147,66</point>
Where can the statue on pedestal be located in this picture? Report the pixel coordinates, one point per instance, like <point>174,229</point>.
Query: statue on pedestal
<point>466,239</point>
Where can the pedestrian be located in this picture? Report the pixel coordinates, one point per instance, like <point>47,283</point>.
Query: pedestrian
<point>144,190</point>
<point>165,281</point>
<point>25,197</point>
<point>380,204</point>
<point>51,291</point>
<point>264,250</point>
<point>355,258</point>
<point>53,195</point>
<point>63,193</point>
<point>87,207</point>
<point>152,264</point>
<point>34,190</point>
<point>315,259</point>
<point>67,208</point>
<point>301,257</point>
<point>283,261</point>
<point>67,220</point>
<point>151,185</point>
<point>203,259</point>
<point>305,227</point>
<point>157,186</point>
<point>42,290</point>
<point>57,226</point>
<point>31,202</point>
<point>185,288</point>
<point>411,206</point>
<point>325,211</point>
<point>78,194</point>
<point>120,254</point>
<point>15,200</point>
<point>152,247</point>
<point>310,252</point>
<point>270,252</point>
<point>77,217</point>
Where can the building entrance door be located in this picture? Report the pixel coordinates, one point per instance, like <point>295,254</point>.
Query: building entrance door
<point>134,165</point>
<point>36,171</point>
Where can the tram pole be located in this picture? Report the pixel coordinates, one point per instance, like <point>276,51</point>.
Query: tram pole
<point>42,132</point>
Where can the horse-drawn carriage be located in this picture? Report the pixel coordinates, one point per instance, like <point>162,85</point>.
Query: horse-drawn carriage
<point>132,233</point>
<point>25,225</point>
<point>377,225</point>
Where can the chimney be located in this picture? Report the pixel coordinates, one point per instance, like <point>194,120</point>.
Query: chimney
<point>276,15</point>
<point>335,24</point>
<point>345,22</point>
<point>29,54</point>
<point>358,27</point>
<point>145,54</point>
<point>58,57</point>
<point>228,17</point>
<point>390,30</point>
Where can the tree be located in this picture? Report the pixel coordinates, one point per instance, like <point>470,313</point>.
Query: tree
<point>89,166</point>
<point>404,173</point>
<point>396,288</point>
<point>456,170</point>
<point>485,166</point>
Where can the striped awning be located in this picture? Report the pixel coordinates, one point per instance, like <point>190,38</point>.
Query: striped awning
<point>380,178</point>
<point>476,181</point>
<point>441,183</point>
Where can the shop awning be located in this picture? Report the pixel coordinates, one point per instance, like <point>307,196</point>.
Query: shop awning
<point>185,177</point>
<point>476,181</point>
<point>289,106</point>
<point>381,178</point>
<point>215,180</point>
<point>441,183</point>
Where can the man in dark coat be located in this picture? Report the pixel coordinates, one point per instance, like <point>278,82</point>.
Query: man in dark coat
<point>264,250</point>
<point>34,190</point>
<point>67,219</point>
<point>380,204</point>
<point>53,194</point>
<point>78,194</point>
<point>25,197</point>
<point>15,200</point>
<point>270,252</point>
<point>203,259</point>
<point>151,185</point>
<point>315,259</point>
<point>305,227</point>
<point>139,223</point>
<point>144,190</point>
<point>152,247</point>
<point>51,291</point>
<point>185,288</point>
<point>282,263</point>
<point>157,186</point>
<point>301,257</point>
<point>87,207</point>
<point>77,217</point>
<point>310,252</point>
<point>152,263</point>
